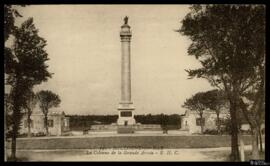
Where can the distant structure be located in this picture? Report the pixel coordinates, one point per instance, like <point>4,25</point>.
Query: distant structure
<point>126,108</point>
<point>58,122</point>
<point>191,121</point>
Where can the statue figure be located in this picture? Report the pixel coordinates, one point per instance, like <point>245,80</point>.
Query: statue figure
<point>126,19</point>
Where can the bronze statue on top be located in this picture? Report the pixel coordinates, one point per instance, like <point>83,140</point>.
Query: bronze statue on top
<point>126,20</point>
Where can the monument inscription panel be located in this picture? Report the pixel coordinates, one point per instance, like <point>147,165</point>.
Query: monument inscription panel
<point>126,113</point>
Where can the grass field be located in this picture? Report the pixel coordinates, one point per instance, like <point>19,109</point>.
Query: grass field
<point>155,142</point>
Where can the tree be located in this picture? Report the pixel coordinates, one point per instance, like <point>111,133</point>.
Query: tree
<point>25,67</point>
<point>9,28</point>
<point>228,41</point>
<point>9,19</point>
<point>31,103</point>
<point>253,107</point>
<point>47,100</point>
<point>197,103</point>
<point>216,100</point>
<point>10,15</point>
<point>252,101</point>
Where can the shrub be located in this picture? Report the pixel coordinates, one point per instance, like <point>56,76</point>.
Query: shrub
<point>17,159</point>
<point>39,134</point>
<point>85,131</point>
<point>22,135</point>
<point>67,134</point>
<point>211,132</point>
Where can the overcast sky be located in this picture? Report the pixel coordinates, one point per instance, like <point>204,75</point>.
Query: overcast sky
<point>85,52</point>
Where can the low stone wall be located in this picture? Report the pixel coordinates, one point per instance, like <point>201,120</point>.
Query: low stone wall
<point>148,127</point>
<point>103,127</point>
<point>149,132</point>
<point>95,133</point>
<point>136,127</point>
<point>76,132</point>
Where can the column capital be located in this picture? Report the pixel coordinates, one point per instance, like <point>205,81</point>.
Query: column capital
<point>125,34</point>
<point>125,31</point>
<point>125,38</point>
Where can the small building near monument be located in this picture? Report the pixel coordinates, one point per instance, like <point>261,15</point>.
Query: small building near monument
<point>191,121</point>
<point>58,123</point>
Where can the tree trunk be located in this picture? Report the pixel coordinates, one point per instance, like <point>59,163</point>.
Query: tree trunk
<point>13,148</point>
<point>46,124</point>
<point>234,132</point>
<point>255,143</point>
<point>202,129</point>
<point>13,142</point>
<point>202,125</point>
<point>5,131</point>
<point>260,139</point>
<point>242,148</point>
<point>218,124</point>
<point>29,123</point>
<point>16,119</point>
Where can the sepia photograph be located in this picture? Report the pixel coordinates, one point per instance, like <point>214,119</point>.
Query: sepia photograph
<point>96,82</point>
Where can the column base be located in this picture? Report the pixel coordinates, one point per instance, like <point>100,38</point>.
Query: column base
<point>126,117</point>
<point>126,114</point>
<point>125,121</point>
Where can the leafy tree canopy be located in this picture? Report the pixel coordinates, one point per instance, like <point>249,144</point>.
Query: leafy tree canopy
<point>197,102</point>
<point>47,100</point>
<point>229,41</point>
<point>26,60</point>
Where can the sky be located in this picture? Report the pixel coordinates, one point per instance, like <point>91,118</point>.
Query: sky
<point>84,49</point>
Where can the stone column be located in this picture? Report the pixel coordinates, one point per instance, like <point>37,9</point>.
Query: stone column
<point>125,35</point>
<point>126,105</point>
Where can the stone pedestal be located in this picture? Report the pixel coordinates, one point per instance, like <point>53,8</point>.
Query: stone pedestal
<point>126,108</point>
<point>126,114</point>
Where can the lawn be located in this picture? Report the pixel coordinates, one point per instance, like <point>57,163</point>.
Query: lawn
<point>155,142</point>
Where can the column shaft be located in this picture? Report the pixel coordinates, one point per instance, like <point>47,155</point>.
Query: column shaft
<point>126,80</point>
